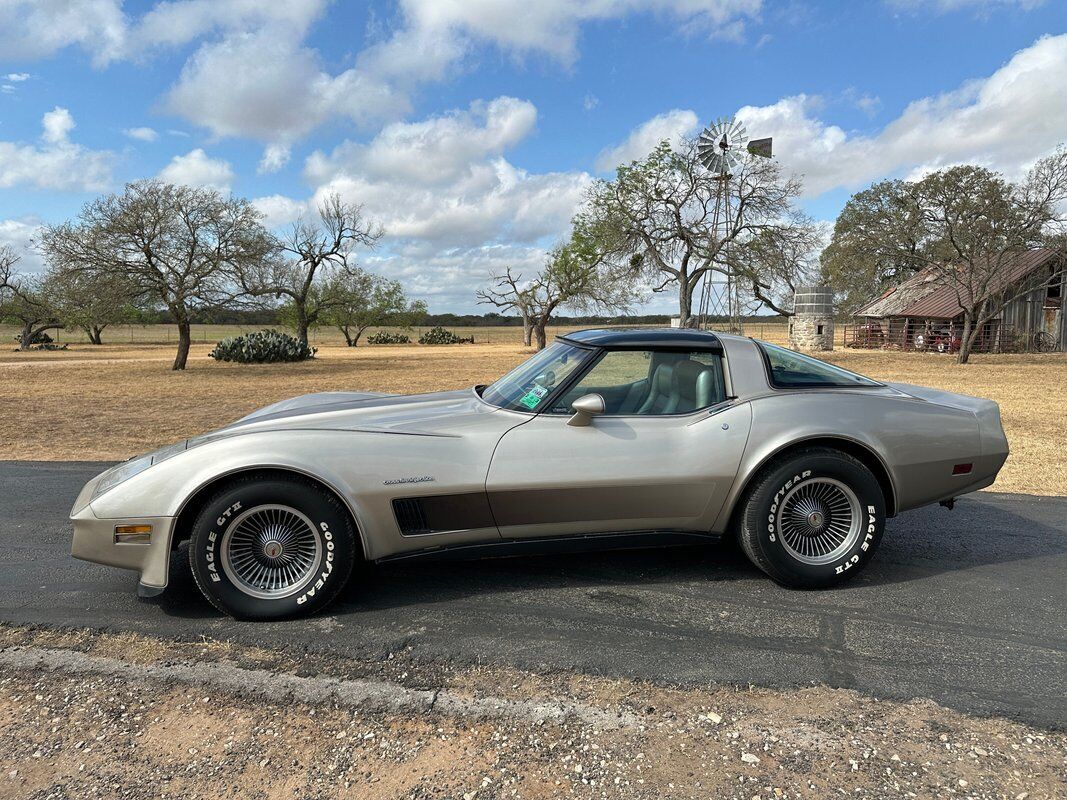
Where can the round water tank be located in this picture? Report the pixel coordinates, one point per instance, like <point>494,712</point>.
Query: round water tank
<point>814,300</point>
<point>812,325</point>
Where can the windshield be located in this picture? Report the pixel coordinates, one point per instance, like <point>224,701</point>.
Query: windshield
<point>791,369</point>
<point>526,386</point>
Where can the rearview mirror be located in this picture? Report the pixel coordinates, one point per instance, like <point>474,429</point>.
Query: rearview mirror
<point>585,408</point>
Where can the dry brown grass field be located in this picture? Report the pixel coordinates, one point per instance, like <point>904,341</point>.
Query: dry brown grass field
<point>117,400</point>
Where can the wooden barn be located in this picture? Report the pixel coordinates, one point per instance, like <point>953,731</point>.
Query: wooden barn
<point>923,314</point>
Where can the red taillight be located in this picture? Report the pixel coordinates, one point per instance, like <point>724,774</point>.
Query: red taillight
<point>962,469</point>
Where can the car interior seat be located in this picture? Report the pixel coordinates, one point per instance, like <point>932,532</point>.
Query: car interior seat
<point>695,385</point>
<point>660,391</point>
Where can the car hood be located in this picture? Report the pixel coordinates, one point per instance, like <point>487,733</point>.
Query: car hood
<point>436,413</point>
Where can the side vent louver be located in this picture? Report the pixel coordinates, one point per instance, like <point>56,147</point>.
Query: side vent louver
<point>410,516</point>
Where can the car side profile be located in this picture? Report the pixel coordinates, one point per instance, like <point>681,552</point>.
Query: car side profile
<point>630,437</point>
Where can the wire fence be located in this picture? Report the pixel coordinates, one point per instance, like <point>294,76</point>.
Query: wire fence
<point>163,334</point>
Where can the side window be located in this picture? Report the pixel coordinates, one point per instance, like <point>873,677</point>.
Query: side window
<point>645,382</point>
<point>789,369</point>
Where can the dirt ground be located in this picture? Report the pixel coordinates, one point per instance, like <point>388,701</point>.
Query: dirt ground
<point>115,401</point>
<point>85,735</point>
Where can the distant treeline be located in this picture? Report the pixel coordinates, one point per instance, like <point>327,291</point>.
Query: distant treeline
<point>268,316</point>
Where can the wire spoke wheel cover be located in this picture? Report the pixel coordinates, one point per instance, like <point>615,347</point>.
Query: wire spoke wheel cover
<point>270,551</point>
<point>819,520</point>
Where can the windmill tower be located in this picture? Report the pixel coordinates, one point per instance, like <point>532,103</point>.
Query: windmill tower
<point>723,147</point>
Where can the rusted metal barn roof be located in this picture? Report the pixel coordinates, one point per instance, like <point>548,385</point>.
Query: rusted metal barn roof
<point>922,296</point>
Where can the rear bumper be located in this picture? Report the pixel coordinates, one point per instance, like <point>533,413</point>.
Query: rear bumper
<point>94,540</point>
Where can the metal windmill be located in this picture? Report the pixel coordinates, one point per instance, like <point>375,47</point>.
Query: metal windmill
<point>723,147</point>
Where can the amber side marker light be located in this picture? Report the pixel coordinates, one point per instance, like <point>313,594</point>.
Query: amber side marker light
<point>133,534</point>
<point>962,469</point>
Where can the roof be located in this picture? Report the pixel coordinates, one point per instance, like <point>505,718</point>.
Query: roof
<point>645,337</point>
<point>923,296</point>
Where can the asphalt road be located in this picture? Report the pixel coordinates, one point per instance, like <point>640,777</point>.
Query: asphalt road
<point>965,607</point>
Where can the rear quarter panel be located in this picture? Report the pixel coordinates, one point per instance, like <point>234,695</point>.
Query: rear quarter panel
<point>918,442</point>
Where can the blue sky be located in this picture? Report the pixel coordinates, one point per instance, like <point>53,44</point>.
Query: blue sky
<point>471,128</point>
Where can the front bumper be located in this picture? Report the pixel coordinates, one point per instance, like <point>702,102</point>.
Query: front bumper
<point>94,540</point>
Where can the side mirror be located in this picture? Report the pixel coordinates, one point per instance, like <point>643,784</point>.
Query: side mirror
<point>585,408</point>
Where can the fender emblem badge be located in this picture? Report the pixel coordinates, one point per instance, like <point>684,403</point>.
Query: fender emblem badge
<point>419,479</point>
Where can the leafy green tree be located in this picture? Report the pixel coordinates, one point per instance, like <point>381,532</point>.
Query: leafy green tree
<point>876,244</point>
<point>574,276</point>
<point>359,300</point>
<point>964,226</point>
<point>25,301</point>
<point>178,247</point>
<point>90,301</point>
<point>655,217</point>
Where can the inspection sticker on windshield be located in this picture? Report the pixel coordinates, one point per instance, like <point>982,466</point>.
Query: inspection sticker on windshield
<point>534,396</point>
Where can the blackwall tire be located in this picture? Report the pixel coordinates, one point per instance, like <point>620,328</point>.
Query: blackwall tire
<point>268,548</point>
<point>813,519</point>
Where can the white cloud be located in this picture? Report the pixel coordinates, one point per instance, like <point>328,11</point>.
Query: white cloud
<point>196,169</point>
<point>978,6</point>
<point>57,124</point>
<point>57,163</point>
<point>182,21</point>
<point>644,138</point>
<point>553,26</point>
<point>274,158</point>
<point>39,28</point>
<point>252,75</point>
<point>142,134</point>
<point>271,88</point>
<point>16,77</point>
<point>438,150</point>
<point>18,234</point>
<point>445,179</point>
<point>447,278</point>
<point>1005,121</point>
<point>279,211</point>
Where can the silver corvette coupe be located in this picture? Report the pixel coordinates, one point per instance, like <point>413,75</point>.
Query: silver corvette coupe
<point>615,438</point>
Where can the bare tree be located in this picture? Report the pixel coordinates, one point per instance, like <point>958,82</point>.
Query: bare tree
<point>770,264</point>
<point>311,254</point>
<point>24,300</point>
<point>656,216</point>
<point>508,294</point>
<point>178,247</point>
<point>361,300</point>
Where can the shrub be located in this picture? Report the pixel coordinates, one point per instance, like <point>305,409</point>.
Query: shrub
<point>262,347</point>
<point>439,335</point>
<point>387,337</point>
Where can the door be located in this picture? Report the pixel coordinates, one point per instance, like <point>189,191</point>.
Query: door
<point>662,456</point>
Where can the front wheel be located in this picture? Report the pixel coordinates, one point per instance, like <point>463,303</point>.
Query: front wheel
<point>812,519</point>
<point>267,548</point>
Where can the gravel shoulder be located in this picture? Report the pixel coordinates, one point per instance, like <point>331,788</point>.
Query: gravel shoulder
<point>70,734</point>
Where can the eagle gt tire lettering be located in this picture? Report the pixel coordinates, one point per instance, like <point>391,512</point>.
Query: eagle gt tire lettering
<point>812,519</point>
<point>266,547</point>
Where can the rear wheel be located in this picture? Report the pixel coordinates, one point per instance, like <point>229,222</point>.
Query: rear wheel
<point>812,519</point>
<point>268,548</point>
